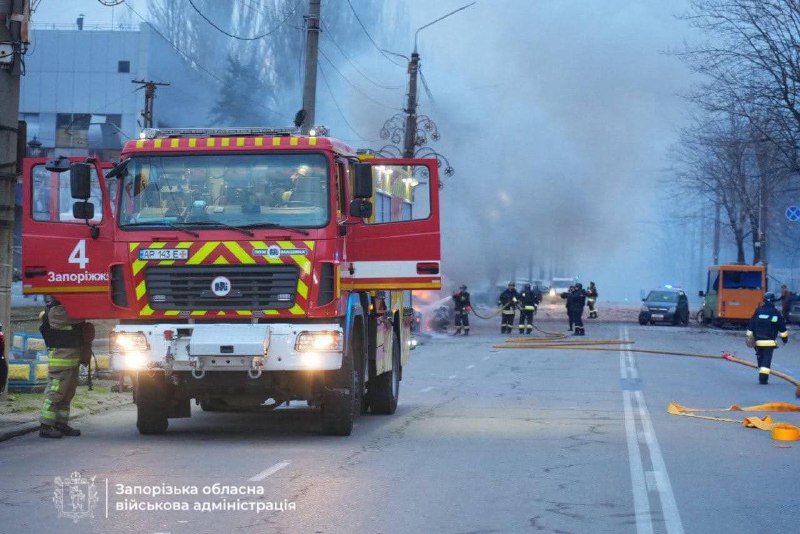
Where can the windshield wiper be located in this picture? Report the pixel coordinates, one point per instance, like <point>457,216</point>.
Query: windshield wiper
<point>274,225</point>
<point>168,225</point>
<point>242,229</point>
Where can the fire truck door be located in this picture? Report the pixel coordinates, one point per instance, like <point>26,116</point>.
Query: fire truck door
<point>62,255</point>
<point>398,246</point>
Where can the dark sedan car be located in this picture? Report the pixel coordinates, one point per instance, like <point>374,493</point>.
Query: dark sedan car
<point>794,311</point>
<point>667,305</point>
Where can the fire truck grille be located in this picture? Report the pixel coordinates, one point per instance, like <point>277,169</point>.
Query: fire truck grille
<point>222,287</point>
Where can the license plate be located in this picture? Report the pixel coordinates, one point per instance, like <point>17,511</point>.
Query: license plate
<point>656,316</point>
<point>163,254</point>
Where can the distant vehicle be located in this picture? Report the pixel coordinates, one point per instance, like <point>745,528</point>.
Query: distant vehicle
<point>558,286</point>
<point>794,312</point>
<point>733,292</point>
<point>669,305</point>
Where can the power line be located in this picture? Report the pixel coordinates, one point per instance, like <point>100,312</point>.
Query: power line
<point>194,62</point>
<point>330,35</point>
<point>255,38</point>
<point>333,98</point>
<point>365,95</point>
<point>378,48</point>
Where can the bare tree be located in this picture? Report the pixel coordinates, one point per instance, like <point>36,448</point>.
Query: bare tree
<point>752,65</point>
<point>712,162</point>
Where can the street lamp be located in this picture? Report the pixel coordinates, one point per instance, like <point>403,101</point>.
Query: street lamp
<point>412,136</point>
<point>34,147</point>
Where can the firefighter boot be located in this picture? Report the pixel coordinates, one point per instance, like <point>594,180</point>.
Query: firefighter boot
<point>466,331</point>
<point>47,431</point>
<point>521,329</point>
<point>67,430</point>
<point>583,331</point>
<point>529,330</point>
<point>458,331</point>
<point>763,378</point>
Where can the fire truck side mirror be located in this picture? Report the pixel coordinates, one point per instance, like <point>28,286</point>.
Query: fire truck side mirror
<point>362,186</point>
<point>80,181</point>
<point>60,164</point>
<point>83,211</point>
<point>701,294</point>
<point>361,208</point>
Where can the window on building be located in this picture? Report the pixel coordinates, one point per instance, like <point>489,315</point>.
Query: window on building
<point>123,66</point>
<point>72,130</point>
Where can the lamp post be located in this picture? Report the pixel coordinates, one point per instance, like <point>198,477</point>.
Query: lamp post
<point>34,147</point>
<point>410,124</point>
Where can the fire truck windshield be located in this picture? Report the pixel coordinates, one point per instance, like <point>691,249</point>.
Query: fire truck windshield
<point>242,190</point>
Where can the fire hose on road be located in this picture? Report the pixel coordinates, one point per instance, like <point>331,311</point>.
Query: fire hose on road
<point>780,431</point>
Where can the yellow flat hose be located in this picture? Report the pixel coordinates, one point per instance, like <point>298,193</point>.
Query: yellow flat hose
<point>574,344</point>
<point>780,431</point>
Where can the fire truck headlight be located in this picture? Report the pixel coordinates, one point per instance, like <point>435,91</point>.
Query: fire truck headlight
<point>552,292</point>
<point>322,341</point>
<point>135,360</point>
<point>129,342</point>
<point>312,360</point>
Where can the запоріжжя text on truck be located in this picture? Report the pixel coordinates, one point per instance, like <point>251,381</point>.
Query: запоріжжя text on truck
<point>246,267</point>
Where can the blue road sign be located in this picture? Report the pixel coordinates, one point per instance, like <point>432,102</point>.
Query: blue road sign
<point>793,213</point>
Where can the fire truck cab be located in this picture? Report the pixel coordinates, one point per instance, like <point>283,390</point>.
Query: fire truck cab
<point>246,267</point>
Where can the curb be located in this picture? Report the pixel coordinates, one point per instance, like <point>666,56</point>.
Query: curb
<point>21,429</point>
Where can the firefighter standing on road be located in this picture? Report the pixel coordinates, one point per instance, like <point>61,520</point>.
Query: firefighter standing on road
<point>67,341</point>
<point>508,301</point>
<point>576,300</point>
<point>462,308</point>
<point>764,325</point>
<point>591,299</point>
<point>527,308</point>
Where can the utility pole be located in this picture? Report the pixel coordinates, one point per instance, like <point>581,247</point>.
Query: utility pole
<point>310,82</point>
<point>717,228</point>
<point>149,97</point>
<point>13,35</point>
<point>410,138</point>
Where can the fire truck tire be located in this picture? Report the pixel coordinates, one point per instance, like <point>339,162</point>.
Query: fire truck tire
<point>384,396</point>
<point>151,403</point>
<point>339,399</point>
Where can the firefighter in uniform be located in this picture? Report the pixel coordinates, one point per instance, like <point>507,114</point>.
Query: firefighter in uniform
<point>591,299</point>
<point>65,339</point>
<point>764,325</point>
<point>462,308</point>
<point>508,301</point>
<point>527,309</point>
<point>576,300</point>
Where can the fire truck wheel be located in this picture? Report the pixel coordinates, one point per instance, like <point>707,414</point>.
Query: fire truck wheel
<point>363,385</point>
<point>151,403</point>
<point>339,399</point>
<point>387,385</point>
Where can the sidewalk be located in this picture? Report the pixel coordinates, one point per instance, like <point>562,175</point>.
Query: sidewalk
<point>20,413</point>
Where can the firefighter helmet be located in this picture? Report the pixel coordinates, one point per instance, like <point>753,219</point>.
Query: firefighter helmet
<point>462,286</point>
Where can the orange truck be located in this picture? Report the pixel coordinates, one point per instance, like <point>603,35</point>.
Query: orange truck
<point>245,267</point>
<point>733,292</point>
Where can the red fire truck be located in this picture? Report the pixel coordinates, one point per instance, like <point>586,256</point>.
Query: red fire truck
<point>246,267</point>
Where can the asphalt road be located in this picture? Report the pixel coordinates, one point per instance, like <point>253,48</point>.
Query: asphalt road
<point>484,440</point>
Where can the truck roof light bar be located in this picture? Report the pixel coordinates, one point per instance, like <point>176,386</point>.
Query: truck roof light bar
<point>152,133</point>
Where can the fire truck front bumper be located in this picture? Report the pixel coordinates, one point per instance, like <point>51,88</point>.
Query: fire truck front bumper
<point>253,348</point>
